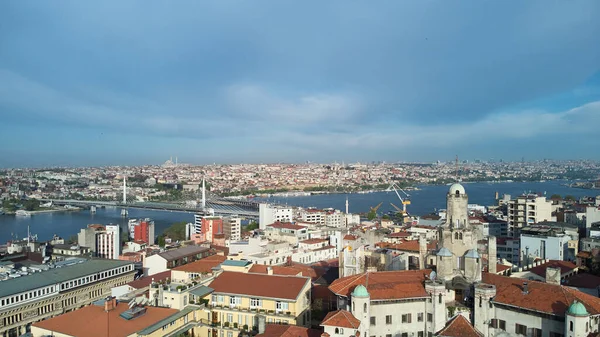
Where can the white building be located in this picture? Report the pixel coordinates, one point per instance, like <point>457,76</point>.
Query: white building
<point>314,250</point>
<point>526,210</point>
<point>313,215</point>
<point>108,242</point>
<point>268,214</point>
<point>288,232</point>
<point>548,241</point>
<point>592,215</point>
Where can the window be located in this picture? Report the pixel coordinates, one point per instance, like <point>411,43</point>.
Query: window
<point>494,323</point>
<point>536,332</point>
<point>337,331</point>
<point>440,298</point>
<point>404,334</point>
<point>421,334</point>
<point>279,306</point>
<point>255,303</point>
<point>571,326</point>
<point>234,300</point>
<point>388,319</point>
<point>520,329</point>
<point>373,320</point>
<point>502,325</point>
<point>430,334</point>
<point>429,317</point>
<point>388,335</point>
<point>365,307</point>
<point>420,317</point>
<point>406,318</point>
<point>556,334</point>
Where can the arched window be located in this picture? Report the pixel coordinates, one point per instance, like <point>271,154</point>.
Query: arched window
<point>353,306</point>
<point>571,326</point>
<point>365,307</point>
<point>337,331</point>
<point>460,236</point>
<point>456,236</point>
<point>440,298</point>
<point>457,193</point>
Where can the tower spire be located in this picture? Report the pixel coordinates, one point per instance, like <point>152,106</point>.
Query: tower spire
<point>124,189</point>
<point>203,194</point>
<point>457,168</point>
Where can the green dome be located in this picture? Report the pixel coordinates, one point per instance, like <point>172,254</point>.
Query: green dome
<point>577,309</point>
<point>360,291</point>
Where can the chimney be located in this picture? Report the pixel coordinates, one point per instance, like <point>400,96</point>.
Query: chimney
<point>525,288</point>
<point>553,275</point>
<point>270,270</point>
<point>110,303</point>
<point>262,324</point>
<point>492,255</point>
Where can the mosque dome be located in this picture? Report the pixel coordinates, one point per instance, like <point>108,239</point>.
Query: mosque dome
<point>444,252</point>
<point>577,309</point>
<point>457,188</point>
<point>360,291</point>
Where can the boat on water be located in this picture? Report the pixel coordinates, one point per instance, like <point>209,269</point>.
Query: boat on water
<point>22,213</point>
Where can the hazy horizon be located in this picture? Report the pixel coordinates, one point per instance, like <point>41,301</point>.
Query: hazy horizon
<point>134,83</point>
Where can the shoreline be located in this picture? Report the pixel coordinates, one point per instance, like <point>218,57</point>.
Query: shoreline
<point>46,211</point>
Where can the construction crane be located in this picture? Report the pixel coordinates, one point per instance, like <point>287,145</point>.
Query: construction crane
<point>398,209</point>
<point>405,201</point>
<point>376,208</point>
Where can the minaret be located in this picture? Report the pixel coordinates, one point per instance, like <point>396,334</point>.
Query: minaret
<point>124,189</point>
<point>347,205</point>
<point>203,195</point>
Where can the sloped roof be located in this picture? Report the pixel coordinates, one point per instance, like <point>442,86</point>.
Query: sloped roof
<point>385,284</point>
<point>565,267</point>
<point>543,297</point>
<point>342,319</point>
<point>260,285</point>
<point>279,330</point>
<point>459,326</point>
<point>145,281</point>
<point>178,253</point>
<point>204,265</point>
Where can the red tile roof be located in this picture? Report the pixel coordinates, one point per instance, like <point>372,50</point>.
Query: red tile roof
<point>278,330</point>
<point>583,280</point>
<point>204,265</point>
<point>541,296</point>
<point>406,246</point>
<point>292,269</point>
<point>145,281</point>
<point>350,237</point>
<point>342,319</point>
<point>286,225</point>
<point>459,326</point>
<point>385,284</point>
<point>261,285</point>
<point>78,323</point>
<point>565,267</point>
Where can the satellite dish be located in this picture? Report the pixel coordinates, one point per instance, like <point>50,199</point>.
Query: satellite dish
<point>432,275</point>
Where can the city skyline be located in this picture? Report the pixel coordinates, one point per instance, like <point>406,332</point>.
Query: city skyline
<point>94,84</point>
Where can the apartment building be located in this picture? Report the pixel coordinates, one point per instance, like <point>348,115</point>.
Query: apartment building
<point>288,232</point>
<point>160,262</point>
<point>314,250</point>
<point>526,210</point>
<point>268,214</point>
<point>45,294</point>
<point>239,299</point>
<point>508,248</point>
<point>232,228</point>
<point>144,231</point>
<point>104,241</point>
<point>549,240</point>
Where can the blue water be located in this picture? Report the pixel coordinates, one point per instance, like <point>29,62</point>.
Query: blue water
<point>423,201</point>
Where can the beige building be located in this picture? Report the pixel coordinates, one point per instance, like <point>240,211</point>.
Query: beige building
<point>42,295</point>
<point>526,210</point>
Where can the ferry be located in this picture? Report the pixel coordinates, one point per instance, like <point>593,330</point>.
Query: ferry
<point>22,213</point>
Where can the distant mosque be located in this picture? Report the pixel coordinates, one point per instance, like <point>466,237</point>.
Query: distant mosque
<point>170,163</point>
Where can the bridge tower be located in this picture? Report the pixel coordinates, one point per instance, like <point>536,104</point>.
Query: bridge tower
<point>124,189</point>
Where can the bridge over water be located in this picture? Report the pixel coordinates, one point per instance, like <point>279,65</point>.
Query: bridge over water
<point>219,207</point>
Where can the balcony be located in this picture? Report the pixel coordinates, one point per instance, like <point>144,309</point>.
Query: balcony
<point>238,308</point>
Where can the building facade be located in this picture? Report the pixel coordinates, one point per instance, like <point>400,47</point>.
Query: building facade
<point>269,214</point>
<point>39,296</point>
<point>526,210</point>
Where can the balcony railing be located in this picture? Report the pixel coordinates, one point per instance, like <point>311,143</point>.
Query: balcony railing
<point>238,308</point>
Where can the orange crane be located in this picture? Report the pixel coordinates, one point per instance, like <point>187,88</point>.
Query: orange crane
<point>405,201</point>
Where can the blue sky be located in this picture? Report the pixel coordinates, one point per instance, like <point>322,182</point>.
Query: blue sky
<point>135,82</point>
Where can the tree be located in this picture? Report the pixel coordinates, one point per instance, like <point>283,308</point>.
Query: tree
<point>161,241</point>
<point>556,197</point>
<point>371,215</point>
<point>569,198</point>
<point>252,226</point>
<point>385,217</point>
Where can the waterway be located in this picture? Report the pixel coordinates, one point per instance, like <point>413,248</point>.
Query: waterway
<point>423,201</point>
